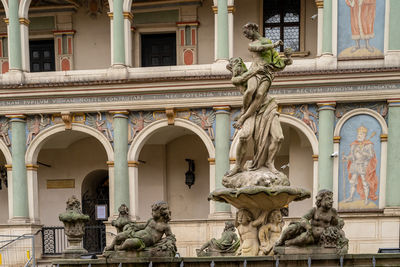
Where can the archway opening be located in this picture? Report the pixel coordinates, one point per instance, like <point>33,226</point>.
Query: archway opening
<point>64,160</point>
<point>162,172</point>
<point>3,190</point>
<point>295,160</point>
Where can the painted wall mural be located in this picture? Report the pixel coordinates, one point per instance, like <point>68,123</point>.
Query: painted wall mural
<point>361,26</point>
<point>343,108</point>
<point>308,113</point>
<point>360,159</point>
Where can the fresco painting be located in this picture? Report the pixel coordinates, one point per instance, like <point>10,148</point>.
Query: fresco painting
<point>359,168</point>
<point>361,26</point>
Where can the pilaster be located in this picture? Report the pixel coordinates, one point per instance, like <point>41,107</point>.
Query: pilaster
<point>222,142</point>
<point>325,145</point>
<point>392,55</point>
<point>14,35</point>
<point>19,174</point>
<point>187,44</point>
<point>393,155</point>
<point>118,35</point>
<point>327,27</point>
<point>133,190</point>
<point>121,175</point>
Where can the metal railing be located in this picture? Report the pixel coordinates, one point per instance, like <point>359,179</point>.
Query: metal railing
<point>17,250</point>
<point>54,240</point>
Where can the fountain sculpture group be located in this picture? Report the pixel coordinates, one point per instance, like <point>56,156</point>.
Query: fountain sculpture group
<point>256,188</point>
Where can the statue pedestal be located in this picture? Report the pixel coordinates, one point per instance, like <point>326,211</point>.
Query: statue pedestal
<point>310,250</point>
<point>147,253</point>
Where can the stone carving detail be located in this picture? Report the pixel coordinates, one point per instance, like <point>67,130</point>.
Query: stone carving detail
<point>4,127</point>
<point>74,222</point>
<point>343,108</point>
<point>146,239</point>
<point>123,218</point>
<point>227,245</point>
<point>35,125</point>
<point>308,113</point>
<point>205,119</point>
<point>138,120</point>
<point>102,125</point>
<point>321,227</point>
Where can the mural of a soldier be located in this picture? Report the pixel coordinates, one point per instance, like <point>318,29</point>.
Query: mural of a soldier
<point>361,167</point>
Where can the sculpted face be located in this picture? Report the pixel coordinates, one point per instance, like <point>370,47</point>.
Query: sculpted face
<point>249,34</point>
<point>243,218</point>
<point>276,217</point>
<point>327,202</point>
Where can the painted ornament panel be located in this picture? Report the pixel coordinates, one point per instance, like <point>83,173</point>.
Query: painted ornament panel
<point>360,160</point>
<point>361,26</point>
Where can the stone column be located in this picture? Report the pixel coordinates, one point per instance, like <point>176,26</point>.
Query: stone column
<point>231,10</point>
<point>111,188</point>
<point>128,18</point>
<point>320,18</point>
<point>327,28</point>
<point>133,190</point>
<point>223,31</point>
<point>393,155</point>
<point>392,56</point>
<point>325,145</point>
<point>33,193</point>
<point>118,36</point>
<point>24,29</point>
<point>121,177</point>
<point>222,140</point>
<point>19,177</point>
<point>14,36</point>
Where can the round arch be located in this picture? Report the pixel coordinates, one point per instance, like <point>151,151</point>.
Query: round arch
<point>6,152</point>
<point>292,121</point>
<point>24,8</point>
<point>361,111</point>
<point>5,5</point>
<point>144,135</point>
<point>37,143</point>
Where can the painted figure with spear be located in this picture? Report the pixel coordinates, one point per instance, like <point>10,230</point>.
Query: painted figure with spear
<point>361,167</point>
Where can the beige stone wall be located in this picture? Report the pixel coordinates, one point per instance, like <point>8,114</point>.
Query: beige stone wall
<point>206,33</point>
<point>152,178</point>
<point>311,28</point>
<point>74,162</point>
<point>91,41</point>
<point>187,203</point>
<point>4,205</point>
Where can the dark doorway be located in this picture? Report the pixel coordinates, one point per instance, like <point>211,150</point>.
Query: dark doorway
<point>95,191</point>
<point>42,55</point>
<point>158,49</point>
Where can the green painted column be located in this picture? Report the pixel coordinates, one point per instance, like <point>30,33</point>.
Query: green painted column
<point>222,140</point>
<point>19,177</point>
<point>14,36</point>
<point>393,155</point>
<point>394,22</point>
<point>327,28</point>
<point>223,30</point>
<point>118,33</point>
<point>325,145</point>
<point>121,174</point>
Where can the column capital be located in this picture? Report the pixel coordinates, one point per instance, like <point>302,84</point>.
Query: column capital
<point>215,9</point>
<point>32,167</point>
<point>329,105</point>
<point>110,15</point>
<point>24,21</point>
<point>8,167</point>
<point>128,16</point>
<point>384,137</point>
<point>133,163</point>
<point>110,164</point>
<point>231,9</point>
<point>221,109</point>
<point>319,3</point>
<point>211,161</point>
<point>16,117</point>
<point>7,20</point>
<point>187,23</point>
<point>67,32</point>
<point>315,157</point>
<point>119,113</point>
<point>336,139</point>
<point>394,102</point>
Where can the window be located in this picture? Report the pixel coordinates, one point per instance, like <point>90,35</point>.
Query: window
<point>282,22</point>
<point>158,49</point>
<point>42,55</point>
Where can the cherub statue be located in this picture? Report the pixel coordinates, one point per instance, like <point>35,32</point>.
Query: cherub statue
<point>227,244</point>
<point>123,218</point>
<point>320,226</point>
<point>270,232</point>
<point>138,237</point>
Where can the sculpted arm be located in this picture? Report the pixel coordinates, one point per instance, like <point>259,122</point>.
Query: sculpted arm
<point>168,231</point>
<point>260,47</point>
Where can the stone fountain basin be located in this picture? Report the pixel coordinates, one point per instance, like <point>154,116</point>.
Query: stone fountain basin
<point>259,198</point>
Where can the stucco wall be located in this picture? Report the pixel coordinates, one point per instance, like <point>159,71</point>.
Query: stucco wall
<point>187,203</point>
<point>206,33</point>
<point>152,175</point>
<point>311,28</point>
<point>3,205</point>
<point>74,162</point>
<point>91,41</point>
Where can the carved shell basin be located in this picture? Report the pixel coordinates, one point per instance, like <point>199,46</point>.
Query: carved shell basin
<point>256,198</point>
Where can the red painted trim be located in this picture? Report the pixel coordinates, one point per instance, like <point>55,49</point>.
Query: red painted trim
<point>69,45</point>
<point>182,37</point>
<point>59,46</point>
<point>193,36</point>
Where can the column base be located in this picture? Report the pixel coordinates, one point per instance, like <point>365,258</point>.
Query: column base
<point>117,72</point>
<point>326,62</point>
<point>19,220</point>
<point>220,215</point>
<point>392,58</point>
<point>395,211</point>
<point>14,77</point>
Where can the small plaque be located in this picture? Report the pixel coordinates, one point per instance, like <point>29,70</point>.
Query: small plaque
<point>101,212</point>
<point>62,183</point>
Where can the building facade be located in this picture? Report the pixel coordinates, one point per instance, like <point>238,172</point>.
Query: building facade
<point>109,101</point>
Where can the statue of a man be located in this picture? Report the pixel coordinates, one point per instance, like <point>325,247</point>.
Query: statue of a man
<point>258,120</point>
